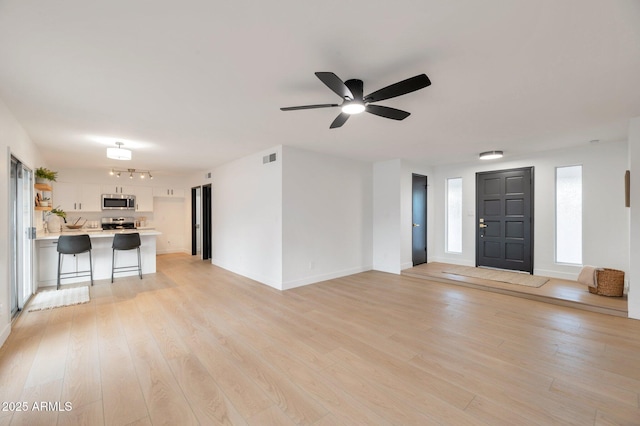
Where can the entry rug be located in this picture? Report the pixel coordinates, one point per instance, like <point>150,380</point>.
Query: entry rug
<point>496,275</point>
<point>58,298</point>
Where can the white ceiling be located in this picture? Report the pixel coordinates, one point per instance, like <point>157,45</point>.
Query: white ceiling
<point>193,84</point>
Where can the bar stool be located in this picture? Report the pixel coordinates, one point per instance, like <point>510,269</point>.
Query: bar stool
<point>125,242</point>
<point>74,244</point>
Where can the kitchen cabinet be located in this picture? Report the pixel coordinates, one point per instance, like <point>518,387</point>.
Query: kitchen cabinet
<point>144,195</point>
<point>117,189</point>
<point>47,253</point>
<point>101,242</point>
<point>144,198</point>
<point>168,192</point>
<point>72,197</point>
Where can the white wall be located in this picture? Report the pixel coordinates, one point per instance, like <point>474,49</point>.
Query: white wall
<point>167,217</point>
<point>605,223</point>
<point>633,300</point>
<point>387,216</point>
<point>326,217</point>
<point>13,140</point>
<point>393,214</point>
<point>247,217</point>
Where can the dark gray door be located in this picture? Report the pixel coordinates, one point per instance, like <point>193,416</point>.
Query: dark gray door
<point>419,208</point>
<point>206,222</point>
<point>504,211</point>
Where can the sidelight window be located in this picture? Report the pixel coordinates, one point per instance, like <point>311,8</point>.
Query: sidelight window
<point>569,214</point>
<point>454,215</point>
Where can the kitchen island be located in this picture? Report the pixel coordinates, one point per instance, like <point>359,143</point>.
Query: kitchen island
<point>101,241</point>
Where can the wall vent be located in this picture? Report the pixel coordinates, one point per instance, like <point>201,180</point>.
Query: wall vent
<point>269,158</point>
<point>207,175</point>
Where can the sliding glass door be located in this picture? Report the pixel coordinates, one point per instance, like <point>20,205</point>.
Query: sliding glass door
<point>21,236</point>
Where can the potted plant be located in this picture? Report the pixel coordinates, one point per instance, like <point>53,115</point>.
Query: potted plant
<point>43,174</point>
<point>59,212</point>
<point>45,202</point>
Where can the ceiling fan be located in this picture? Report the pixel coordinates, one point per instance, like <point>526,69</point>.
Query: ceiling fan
<point>353,102</point>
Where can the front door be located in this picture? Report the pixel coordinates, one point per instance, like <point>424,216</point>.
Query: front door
<point>504,212</point>
<point>419,226</point>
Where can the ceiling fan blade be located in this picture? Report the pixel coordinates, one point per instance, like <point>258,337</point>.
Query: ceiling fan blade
<point>340,120</point>
<point>293,108</point>
<point>334,83</point>
<point>401,88</point>
<point>386,112</point>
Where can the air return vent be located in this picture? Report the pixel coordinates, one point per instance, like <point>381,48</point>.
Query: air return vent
<point>269,158</point>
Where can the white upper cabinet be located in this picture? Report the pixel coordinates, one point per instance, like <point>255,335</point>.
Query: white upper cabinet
<point>144,198</point>
<point>168,192</point>
<point>73,197</point>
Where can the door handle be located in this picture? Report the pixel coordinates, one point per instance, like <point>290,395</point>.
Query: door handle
<point>415,225</point>
<point>482,225</point>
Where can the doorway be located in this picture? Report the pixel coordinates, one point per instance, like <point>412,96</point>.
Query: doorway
<point>206,222</point>
<point>419,215</point>
<point>504,209</point>
<point>201,221</point>
<point>22,234</point>
<point>196,221</point>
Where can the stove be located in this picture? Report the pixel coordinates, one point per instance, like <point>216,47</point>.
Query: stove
<point>109,223</point>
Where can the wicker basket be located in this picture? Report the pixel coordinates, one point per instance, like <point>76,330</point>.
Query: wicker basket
<point>610,283</point>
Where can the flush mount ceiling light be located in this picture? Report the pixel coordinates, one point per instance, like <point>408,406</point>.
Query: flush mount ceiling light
<point>490,155</point>
<point>132,172</point>
<point>119,153</point>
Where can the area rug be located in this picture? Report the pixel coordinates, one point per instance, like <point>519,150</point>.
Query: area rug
<point>58,298</point>
<point>497,275</point>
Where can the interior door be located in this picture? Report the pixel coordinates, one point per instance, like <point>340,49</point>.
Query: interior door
<point>206,222</point>
<point>419,226</point>
<point>196,221</point>
<point>504,211</point>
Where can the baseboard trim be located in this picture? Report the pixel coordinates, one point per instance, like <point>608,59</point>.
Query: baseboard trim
<point>5,334</point>
<point>324,277</point>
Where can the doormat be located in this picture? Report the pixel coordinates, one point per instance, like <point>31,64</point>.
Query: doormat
<point>58,298</point>
<point>496,275</point>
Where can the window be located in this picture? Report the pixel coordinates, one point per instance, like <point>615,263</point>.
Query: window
<point>569,214</point>
<point>454,215</point>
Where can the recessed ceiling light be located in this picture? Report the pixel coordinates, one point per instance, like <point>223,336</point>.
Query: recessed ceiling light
<point>490,155</point>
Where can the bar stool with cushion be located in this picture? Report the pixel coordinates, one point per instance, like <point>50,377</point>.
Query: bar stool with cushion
<point>74,244</point>
<point>125,242</point>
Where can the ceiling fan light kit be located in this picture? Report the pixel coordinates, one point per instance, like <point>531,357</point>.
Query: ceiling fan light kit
<point>353,108</point>
<point>353,101</point>
<point>491,155</point>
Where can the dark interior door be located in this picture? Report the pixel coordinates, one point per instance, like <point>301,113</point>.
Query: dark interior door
<point>206,222</point>
<point>504,210</point>
<point>419,226</point>
<point>194,222</point>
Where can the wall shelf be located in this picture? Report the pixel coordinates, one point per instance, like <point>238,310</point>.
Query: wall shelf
<point>43,187</point>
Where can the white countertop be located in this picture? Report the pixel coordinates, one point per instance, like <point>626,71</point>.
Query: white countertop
<point>96,233</point>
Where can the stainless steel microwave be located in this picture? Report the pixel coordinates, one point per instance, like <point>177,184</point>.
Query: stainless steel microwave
<point>118,202</point>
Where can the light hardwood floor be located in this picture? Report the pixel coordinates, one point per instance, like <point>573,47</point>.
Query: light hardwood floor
<point>195,344</point>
